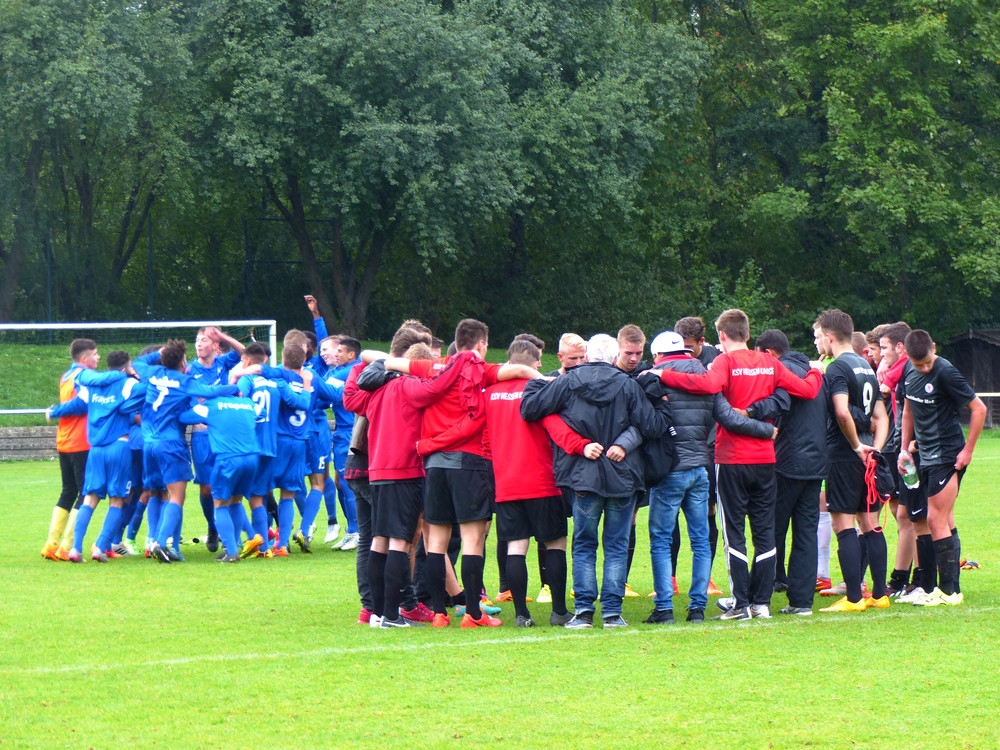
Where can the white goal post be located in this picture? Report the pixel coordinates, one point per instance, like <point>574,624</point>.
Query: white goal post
<point>129,333</point>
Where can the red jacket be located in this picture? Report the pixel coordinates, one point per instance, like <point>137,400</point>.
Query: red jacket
<point>394,416</point>
<point>743,377</point>
<point>522,451</point>
<point>462,404</point>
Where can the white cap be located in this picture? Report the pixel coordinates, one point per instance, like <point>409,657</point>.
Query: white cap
<point>668,342</point>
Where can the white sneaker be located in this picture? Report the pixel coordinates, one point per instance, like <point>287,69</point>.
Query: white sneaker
<point>936,598</point>
<point>349,542</point>
<point>726,603</point>
<point>375,621</point>
<point>545,595</point>
<point>332,532</point>
<point>312,530</point>
<point>917,593</point>
<point>761,610</point>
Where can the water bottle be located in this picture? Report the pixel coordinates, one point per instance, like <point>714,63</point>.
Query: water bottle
<point>910,477</point>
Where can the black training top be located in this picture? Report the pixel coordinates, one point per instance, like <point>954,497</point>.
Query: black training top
<point>934,400</point>
<point>852,375</point>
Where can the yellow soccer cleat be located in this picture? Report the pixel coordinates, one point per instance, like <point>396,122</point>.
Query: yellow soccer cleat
<point>845,605</point>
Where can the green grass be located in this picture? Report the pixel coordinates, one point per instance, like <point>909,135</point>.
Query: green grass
<point>267,654</point>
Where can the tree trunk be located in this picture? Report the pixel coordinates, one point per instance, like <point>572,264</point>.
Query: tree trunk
<point>25,226</point>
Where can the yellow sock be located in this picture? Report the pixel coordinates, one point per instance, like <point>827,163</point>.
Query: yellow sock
<point>67,540</point>
<point>57,526</point>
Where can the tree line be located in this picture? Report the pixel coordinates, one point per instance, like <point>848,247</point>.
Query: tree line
<point>542,165</point>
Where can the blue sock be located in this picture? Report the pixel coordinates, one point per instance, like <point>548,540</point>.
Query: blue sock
<point>112,523</point>
<point>260,525</point>
<point>177,529</point>
<point>224,524</point>
<point>330,498</point>
<point>248,527</point>
<point>286,517</point>
<point>154,514</point>
<point>125,513</point>
<point>136,522</point>
<point>310,509</point>
<point>208,508</point>
<point>350,506</point>
<point>80,529</point>
<point>236,515</point>
<point>168,523</point>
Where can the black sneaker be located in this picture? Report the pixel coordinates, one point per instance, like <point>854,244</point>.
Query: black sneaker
<point>780,587</point>
<point>736,613</point>
<point>557,621</point>
<point>523,622</point>
<point>660,617</point>
<point>228,559</point>
<point>800,611</point>
<point>696,615</point>
<point>159,553</point>
<point>212,541</point>
<point>582,621</point>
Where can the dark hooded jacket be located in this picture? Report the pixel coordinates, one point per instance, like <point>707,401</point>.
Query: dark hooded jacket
<point>598,401</point>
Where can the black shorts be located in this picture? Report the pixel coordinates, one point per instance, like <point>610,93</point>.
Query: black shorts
<point>459,495</point>
<point>935,478</point>
<point>846,490</point>
<point>914,500</point>
<point>543,518</point>
<point>396,508</point>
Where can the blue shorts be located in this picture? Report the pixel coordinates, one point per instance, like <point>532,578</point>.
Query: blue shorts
<point>109,470</point>
<point>289,466</point>
<point>232,475</point>
<point>136,468</point>
<point>318,449</point>
<point>341,447</point>
<point>165,462</point>
<point>263,478</point>
<point>204,459</point>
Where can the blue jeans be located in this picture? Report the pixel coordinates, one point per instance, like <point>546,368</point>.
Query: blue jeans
<point>587,510</point>
<point>685,490</point>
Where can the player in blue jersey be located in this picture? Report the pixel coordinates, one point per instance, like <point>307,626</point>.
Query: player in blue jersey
<point>112,398</point>
<point>232,435</point>
<point>167,462</point>
<point>348,351</point>
<point>210,368</point>
<point>267,395</point>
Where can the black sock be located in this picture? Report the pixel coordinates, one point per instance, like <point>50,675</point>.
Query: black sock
<point>945,550</point>
<point>434,572</point>
<point>899,578</point>
<point>472,579</point>
<point>878,561</point>
<point>458,600</point>
<point>863,541</point>
<point>928,562</point>
<point>555,567</point>
<point>849,554</point>
<point>397,576</point>
<point>502,564</point>
<point>376,580</point>
<point>713,535</point>
<point>958,554</point>
<point>517,577</point>
<point>631,552</point>
<point>542,573</point>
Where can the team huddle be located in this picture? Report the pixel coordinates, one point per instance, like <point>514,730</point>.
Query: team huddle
<point>427,449</point>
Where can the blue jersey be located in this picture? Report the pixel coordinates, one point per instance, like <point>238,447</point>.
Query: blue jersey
<point>231,424</point>
<point>168,394</point>
<point>218,372</point>
<point>268,396</point>
<point>112,398</point>
<point>293,421</point>
<point>319,403</point>
<point>345,417</point>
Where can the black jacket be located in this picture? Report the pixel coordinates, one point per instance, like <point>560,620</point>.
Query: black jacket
<point>599,401</point>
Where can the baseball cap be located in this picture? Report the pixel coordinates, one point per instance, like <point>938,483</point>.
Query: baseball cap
<point>668,342</point>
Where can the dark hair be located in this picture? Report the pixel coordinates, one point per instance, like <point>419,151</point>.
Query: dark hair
<point>351,344</point>
<point>470,332</point>
<point>896,333</point>
<point>416,324</point>
<point>406,337</point>
<point>876,333</point>
<point>523,352</point>
<point>79,347</point>
<point>838,323</point>
<point>774,339</point>
<point>690,328</point>
<point>539,344</point>
<point>172,355</point>
<point>118,359</point>
<point>293,357</point>
<point>257,352</point>
<point>311,341</point>
<point>149,349</point>
<point>919,344</point>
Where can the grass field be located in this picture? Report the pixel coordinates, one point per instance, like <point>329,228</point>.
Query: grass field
<point>267,654</point>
